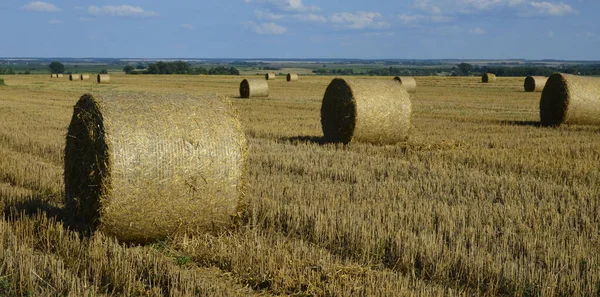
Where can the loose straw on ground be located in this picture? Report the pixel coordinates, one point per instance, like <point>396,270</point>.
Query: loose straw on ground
<point>570,99</point>
<point>374,111</point>
<point>146,167</point>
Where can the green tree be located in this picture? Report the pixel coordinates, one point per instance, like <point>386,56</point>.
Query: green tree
<point>56,67</point>
<point>103,71</point>
<point>128,69</point>
<point>465,68</point>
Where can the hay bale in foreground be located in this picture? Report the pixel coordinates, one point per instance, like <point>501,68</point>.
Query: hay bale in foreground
<point>254,88</point>
<point>270,76</point>
<point>409,83</point>
<point>145,167</point>
<point>488,78</point>
<point>74,77</point>
<point>374,111</point>
<point>570,99</point>
<point>534,83</point>
<point>103,78</point>
<point>84,77</point>
<point>291,77</point>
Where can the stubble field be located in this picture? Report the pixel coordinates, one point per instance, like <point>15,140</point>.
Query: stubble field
<point>479,201</point>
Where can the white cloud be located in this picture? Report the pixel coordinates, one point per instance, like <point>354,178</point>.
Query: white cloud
<point>267,28</point>
<point>478,31</point>
<point>55,22</point>
<point>311,17</point>
<point>121,11</point>
<point>359,20</point>
<point>412,19</point>
<point>41,6</point>
<point>427,6</point>
<point>287,5</point>
<point>187,26</point>
<point>267,15</point>
<point>547,8</point>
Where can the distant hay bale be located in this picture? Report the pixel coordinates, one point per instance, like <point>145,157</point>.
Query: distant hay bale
<point>60,75</point>
<point>534,83</point>
<point>409,83</point>
<point>146,167</point>
<point>103,78</point>
<point>374,111</point>
<point>488,78</point>
<point>570,99</point>
<point>292,77</point>
<point>254,88</point>
<point>84,76</point>
<point>270,76</point>
<point>53,75</point>
<point>74,77</point>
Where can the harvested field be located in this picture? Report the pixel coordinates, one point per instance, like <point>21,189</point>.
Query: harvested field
<point>480,201</point>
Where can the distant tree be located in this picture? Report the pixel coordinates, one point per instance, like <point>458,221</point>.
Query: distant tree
<point>128,69</point>
<point>465,68</point>
<point>140,66</point>
<point>9,71</point>
<point>56,67</point>
<point>103,71</point>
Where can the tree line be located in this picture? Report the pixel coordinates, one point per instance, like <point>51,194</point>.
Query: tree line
<point>180,67</point>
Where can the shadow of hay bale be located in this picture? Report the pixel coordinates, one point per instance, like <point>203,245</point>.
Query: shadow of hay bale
<point>304,139</point>
<point>32,206</point>
<point>521,123</point>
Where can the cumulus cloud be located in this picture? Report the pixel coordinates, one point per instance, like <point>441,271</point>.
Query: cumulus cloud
<point>287,5</point>
<point>269,28</point>
<point>427,6</point>
<point>267,15</point>
<point>547,8</point>
<point>519,7</point>
<point>121,11</point>
<point>358,20</point>
<point>41,6</point>
<point>413,19</point>
<point>311,17</point>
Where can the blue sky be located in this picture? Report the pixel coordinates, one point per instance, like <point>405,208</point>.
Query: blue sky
<point>394,29</point>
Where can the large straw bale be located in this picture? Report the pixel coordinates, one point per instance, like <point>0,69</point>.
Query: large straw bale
<point>84,76</point>
<point>103,78</point>
<point>60,75</point>
<point>292,77</point>
<point>570,99</point>
<point>74,77</point>
<point>53,75</point>
<point>534,83</point>
<point>409,83</point>
<point>254,88</point>
<point>488,78</point>
<point>145,167</point>
<point>270,76</point>
<point>366,110</point>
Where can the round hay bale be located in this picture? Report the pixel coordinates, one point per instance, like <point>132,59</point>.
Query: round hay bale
<point>292,77</point>
<point>534,83</point>
<point>74,77</point>
<point>53,75</point>
<point>270,76</point>
<point>409,83</point>
<point>84,76</point>
<point>374,111</point>
<point>60,75</point>
<point>103,78</point>
<point>570,99</point>
<point>488,78</point>
<point>146,167</point>
<point>254,88</point>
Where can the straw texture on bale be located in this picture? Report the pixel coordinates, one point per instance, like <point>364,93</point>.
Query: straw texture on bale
<point>365,110</point>
<point>254,88</point>
<point>53,75</point>
<point>145,167</point>
<point>409,83</point>
<point>270,76</point>
<point>292,77</point>
<point>534,83</point>
<point>84,77</point>
<point>488,78</point>
<point>73,77</point>
<point>570,99</point>
<point>60,75</point>
<point>103,78</point>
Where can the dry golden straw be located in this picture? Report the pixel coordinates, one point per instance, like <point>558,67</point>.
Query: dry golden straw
<point>409,83</point>
<point>74,77</point>
<point>534,83</point>
<point>60,75</point>
<point>103,78</point>
<point>270,76</point>
<point>374,111</point>
<point>292,77</point>
<point>84,76</point>
<point>145,167</point>
<point>53,75</point>
<point>254,88</point>
<point>488,78</point>
<point>570,99</point>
